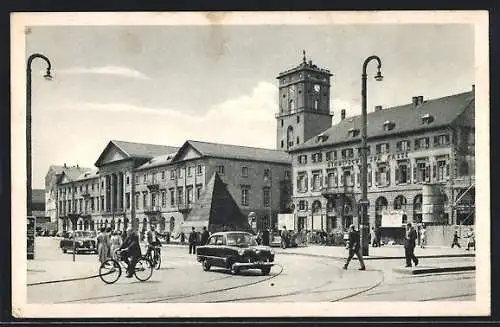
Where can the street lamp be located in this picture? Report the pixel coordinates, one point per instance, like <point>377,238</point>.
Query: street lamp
<point>268,177</point>
<point>364,225</point>
<point>47,76</point>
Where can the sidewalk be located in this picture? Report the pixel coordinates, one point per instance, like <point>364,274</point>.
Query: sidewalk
<point>45,271</point>
<point>377,253</point>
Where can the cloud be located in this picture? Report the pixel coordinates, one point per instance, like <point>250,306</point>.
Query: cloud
<point>106,70</point>
<point>246,120</point>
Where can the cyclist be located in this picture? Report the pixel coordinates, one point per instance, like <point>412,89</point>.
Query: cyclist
<point>153,240</point>
<point>130,251</point>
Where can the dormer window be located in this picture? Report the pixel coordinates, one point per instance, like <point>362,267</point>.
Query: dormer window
<point>321,138</point>
<point>389,125</point>
<point>427,119</point>
<point>353,132</point>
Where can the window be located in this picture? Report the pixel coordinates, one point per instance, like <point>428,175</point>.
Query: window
<point>298,139</point>
<point>127,200</point>
<point>198,192</point>
<point>442,170</point>
<point>332,178</point>
<point>331,155</point>
<point>422,143</point>
<point>353,132</point>
<point>427,119</point>
<point>347,178</point>
<point>137,195</point>
<point>317,157</point>
<point>144,200</point>
<point>189,191</point>
<point>153,199</point>
<point>402,173</point>
<point>128,182</point>
<point>282,143</point>
<point>180,196</point>
<point>266,193</point>
<point>298,121</point>
<point>267,173</point>
<point>163,175</point>
<point>144,178</point>
<point>302,159</point>
<point>92,187</point>
<point>441,140</point>
<point>163,198</point>
<point>281,122</point>
<point>199,170</point>
<point>302,205</point>
<point>180,173</point>
<point>244,171</point>
<point>302,182</point>
<point>347,153</point>
<point>316,181</point>
<point>220,169</point>
<point>287,174</point>
<point>154,178</point>
<point>382,176</point>
<point>189,171</point>
<point>389,125</point>
<point>172,174</point>
<point>245,195</point>
<point>367,151</point>
<point>421,172</point>
<point>172,197</point>
<point>403,145</point>
<point>382,148</point>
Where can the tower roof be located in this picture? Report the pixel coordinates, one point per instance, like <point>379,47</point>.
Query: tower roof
<point>305,65</point>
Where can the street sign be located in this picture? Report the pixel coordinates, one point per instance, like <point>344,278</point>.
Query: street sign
<point>364,202</point>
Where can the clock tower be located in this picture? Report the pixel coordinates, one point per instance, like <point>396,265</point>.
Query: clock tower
<point>304,104</point>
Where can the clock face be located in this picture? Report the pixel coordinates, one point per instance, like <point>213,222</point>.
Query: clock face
<point>317,87</point>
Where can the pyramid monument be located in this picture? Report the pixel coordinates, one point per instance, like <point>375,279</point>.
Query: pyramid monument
<point>216,209</point>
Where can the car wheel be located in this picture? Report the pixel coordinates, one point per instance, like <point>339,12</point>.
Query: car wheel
<point>265,270</point>
<point>206,265</point>
<point>235,270</point>
<point>64,250</point>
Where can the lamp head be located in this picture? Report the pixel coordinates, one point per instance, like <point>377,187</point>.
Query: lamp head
<point>47,75</point>
<point>379,76</point>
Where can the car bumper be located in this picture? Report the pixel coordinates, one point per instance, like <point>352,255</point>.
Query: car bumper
<point>251,265</point>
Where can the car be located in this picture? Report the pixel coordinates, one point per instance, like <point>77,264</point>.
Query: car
<point>85,241</point>
<point>235,251</point>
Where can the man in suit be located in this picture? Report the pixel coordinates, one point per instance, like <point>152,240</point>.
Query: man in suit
<point>354,248</point>
<point>193,240</point>
<point>204,236</point>
<point>130,251</point>
<point>410,241</point>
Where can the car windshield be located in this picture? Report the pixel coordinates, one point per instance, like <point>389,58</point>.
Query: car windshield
<point>84,234</point>
<point>240,239</point>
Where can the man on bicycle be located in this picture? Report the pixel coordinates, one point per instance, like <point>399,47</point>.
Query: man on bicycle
<point>130,251</point>
<point>153,240</point>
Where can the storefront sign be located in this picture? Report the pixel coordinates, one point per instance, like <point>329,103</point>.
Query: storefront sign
<point>392,218</point>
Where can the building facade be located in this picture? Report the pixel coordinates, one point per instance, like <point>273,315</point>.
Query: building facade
<point>420,167</point>
<point>159,184</point>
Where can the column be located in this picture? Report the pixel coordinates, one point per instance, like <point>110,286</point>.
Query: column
<point>105,193</point>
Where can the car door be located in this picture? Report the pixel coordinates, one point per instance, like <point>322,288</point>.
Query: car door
<point>207,250</point>
<point>218,252</point>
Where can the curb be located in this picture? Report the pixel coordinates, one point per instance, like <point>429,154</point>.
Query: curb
<point>379,258</point>
<point>432,270</point>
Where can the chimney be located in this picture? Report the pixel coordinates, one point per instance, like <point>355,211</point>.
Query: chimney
<point>414,100</point>
<point>310,62</point>
<point>342,114</point>
<point>377,108</point>
<point>77,166</point>
<point>473,87</point>
<point>420,99</point>
<point>64,165</point>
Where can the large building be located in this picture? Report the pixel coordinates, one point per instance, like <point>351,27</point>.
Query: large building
<point>161,185</point>
<point>420,164</point>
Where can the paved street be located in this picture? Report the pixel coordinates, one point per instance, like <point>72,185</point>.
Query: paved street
<point>295,278</point>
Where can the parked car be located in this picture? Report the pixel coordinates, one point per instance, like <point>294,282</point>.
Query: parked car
<point>85,241</point>
<point>235,251</point>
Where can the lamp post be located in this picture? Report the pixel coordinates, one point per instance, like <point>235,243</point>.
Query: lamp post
<point>364,225</point>
<point>47,76</point>
<point>268,177</point>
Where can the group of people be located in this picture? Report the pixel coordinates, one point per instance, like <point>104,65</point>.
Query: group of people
<point>471,240</point>
<point>196,239</point>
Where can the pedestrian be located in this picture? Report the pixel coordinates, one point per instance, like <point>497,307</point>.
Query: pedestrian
<point>116,242</point>
<point>193,240</point>
<point>455,240</point>
<point>471,242</point>
<point>183,238</point>
<point>124,235</point>
<point>204,236</point>
<point>379,236</point>
<point>423,237</point>
<point>265,237</point>
<point>410,242</point>
<point>373,237</point>
<point>108,238</point>
<point>102,245</point>
<point>354,248</point>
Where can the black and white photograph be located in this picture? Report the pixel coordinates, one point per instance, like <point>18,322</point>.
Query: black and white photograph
<point>250,164</point>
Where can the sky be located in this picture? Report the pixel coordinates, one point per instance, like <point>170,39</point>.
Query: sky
<point>217,83</point>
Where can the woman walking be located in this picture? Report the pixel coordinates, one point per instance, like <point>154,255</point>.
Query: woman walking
<point>116,242</point>
<point>102,245</point>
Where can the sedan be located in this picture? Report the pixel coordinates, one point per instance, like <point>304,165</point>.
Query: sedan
<point>85,241</point>
<point>235,251</point>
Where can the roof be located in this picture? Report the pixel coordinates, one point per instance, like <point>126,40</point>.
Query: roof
<point>144,150</point>
<point>38,196</point>
<point>158,161</point>
<point>93,173</point>
<point>237,152</point>
<point>406,118</point>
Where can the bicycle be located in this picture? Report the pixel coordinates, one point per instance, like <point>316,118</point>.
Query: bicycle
<point>111,269</point>
<point>156,257</point>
